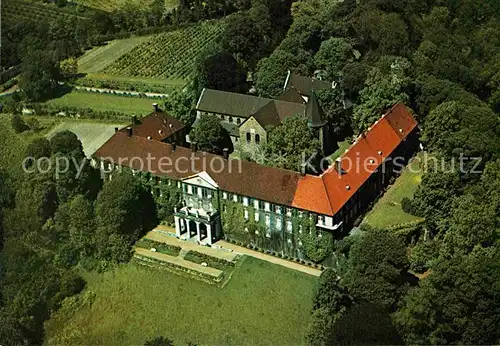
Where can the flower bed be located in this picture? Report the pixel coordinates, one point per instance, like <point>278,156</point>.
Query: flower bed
<point>213,262</point>
<point>163,248</point>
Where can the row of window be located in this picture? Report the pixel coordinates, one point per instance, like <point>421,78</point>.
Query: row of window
<point>260,205</point>
<point>197,190</point>
<point>230,119</point>
<point>257,138</point>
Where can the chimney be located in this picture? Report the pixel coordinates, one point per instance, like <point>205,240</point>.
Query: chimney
<point>155,107</point>
<point>129,131</point>
<point>225,153</point>
<point>193,146</point>
<point>116,129</point>
<point>174,145</point>
<point>338,166</point>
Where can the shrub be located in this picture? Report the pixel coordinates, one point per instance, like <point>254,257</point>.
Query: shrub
<point>18,124</point>
<point>214,262</point>
<point>422,254</point>
<point>33,124</point>
<point>406,205</point>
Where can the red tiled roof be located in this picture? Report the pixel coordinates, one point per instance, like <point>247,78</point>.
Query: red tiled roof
<point>253,180</point>
<point>376,144</point>
<point>325,194</point>
<point>156,125</point>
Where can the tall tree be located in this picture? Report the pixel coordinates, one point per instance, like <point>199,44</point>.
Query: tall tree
<point>39,75</point>
<point>333,55</point>
<point>457,303</point>
<point>385,86</point>
<point>376,267</point>
<point>124,211</point>
<point>330,301</point>
<point>220,71</point>
<point>455,129</point>
<point>291,144</point>
<point>210,136</point>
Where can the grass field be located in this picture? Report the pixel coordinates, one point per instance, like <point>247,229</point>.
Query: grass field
<point>170,55</point>
<point>104,102</point>
<point>387,211</point>
<point>262,304</point>
<point>92,134</point>
<point>98,58</point>
<point>111,5</point>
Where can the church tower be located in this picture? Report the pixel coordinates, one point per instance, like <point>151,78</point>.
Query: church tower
<point>318,123</point>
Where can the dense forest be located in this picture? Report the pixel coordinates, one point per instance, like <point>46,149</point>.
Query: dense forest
<point>441,58</point>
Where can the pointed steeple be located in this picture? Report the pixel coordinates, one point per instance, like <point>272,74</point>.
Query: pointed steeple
<point>314,113</point>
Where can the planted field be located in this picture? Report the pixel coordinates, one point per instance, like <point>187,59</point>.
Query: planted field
<point>111,5</point>
<point>262,304</point>
<point>139,84</point>
<point>98,58</point>
<point>21,10</point>
<point>169,55</point>
<point>103,102</point>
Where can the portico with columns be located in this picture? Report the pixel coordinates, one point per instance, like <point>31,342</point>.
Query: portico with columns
<point>191,223</point>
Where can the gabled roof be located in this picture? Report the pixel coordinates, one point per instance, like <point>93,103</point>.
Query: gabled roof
<point>223,102</point>
<point>241,177</point>
<point>157,126</point>
<point>314,113</point>
<point>276,111</point>
<point>291,95</point>
<point>325,194</point>
<point>304,85</point>
<point>328,192</point>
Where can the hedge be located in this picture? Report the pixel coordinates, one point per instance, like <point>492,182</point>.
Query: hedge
<point>163,248</point>
<point>214,262</point>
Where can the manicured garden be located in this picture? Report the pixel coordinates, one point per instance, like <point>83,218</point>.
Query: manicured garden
<point>214,262</point>
<point>387,212</point>
<point>262,304</point>
<point>160,247</point>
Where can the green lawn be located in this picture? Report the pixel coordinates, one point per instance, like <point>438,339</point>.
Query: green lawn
<point>104,102</point>
<point>387,211</point>
<point>98,58</point>
<point>343,146</point>
<point>262,304</point>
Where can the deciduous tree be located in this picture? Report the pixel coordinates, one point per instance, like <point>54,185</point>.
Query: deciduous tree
<point>376,267</point>
<point>291,143</point>
<point>210,136</point>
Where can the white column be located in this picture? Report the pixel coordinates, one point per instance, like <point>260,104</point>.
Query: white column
<point>209,234</point>
<point>198,235</point>
<point>177,226</point>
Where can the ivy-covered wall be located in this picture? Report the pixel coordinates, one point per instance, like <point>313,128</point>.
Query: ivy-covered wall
<point>303,241</point>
